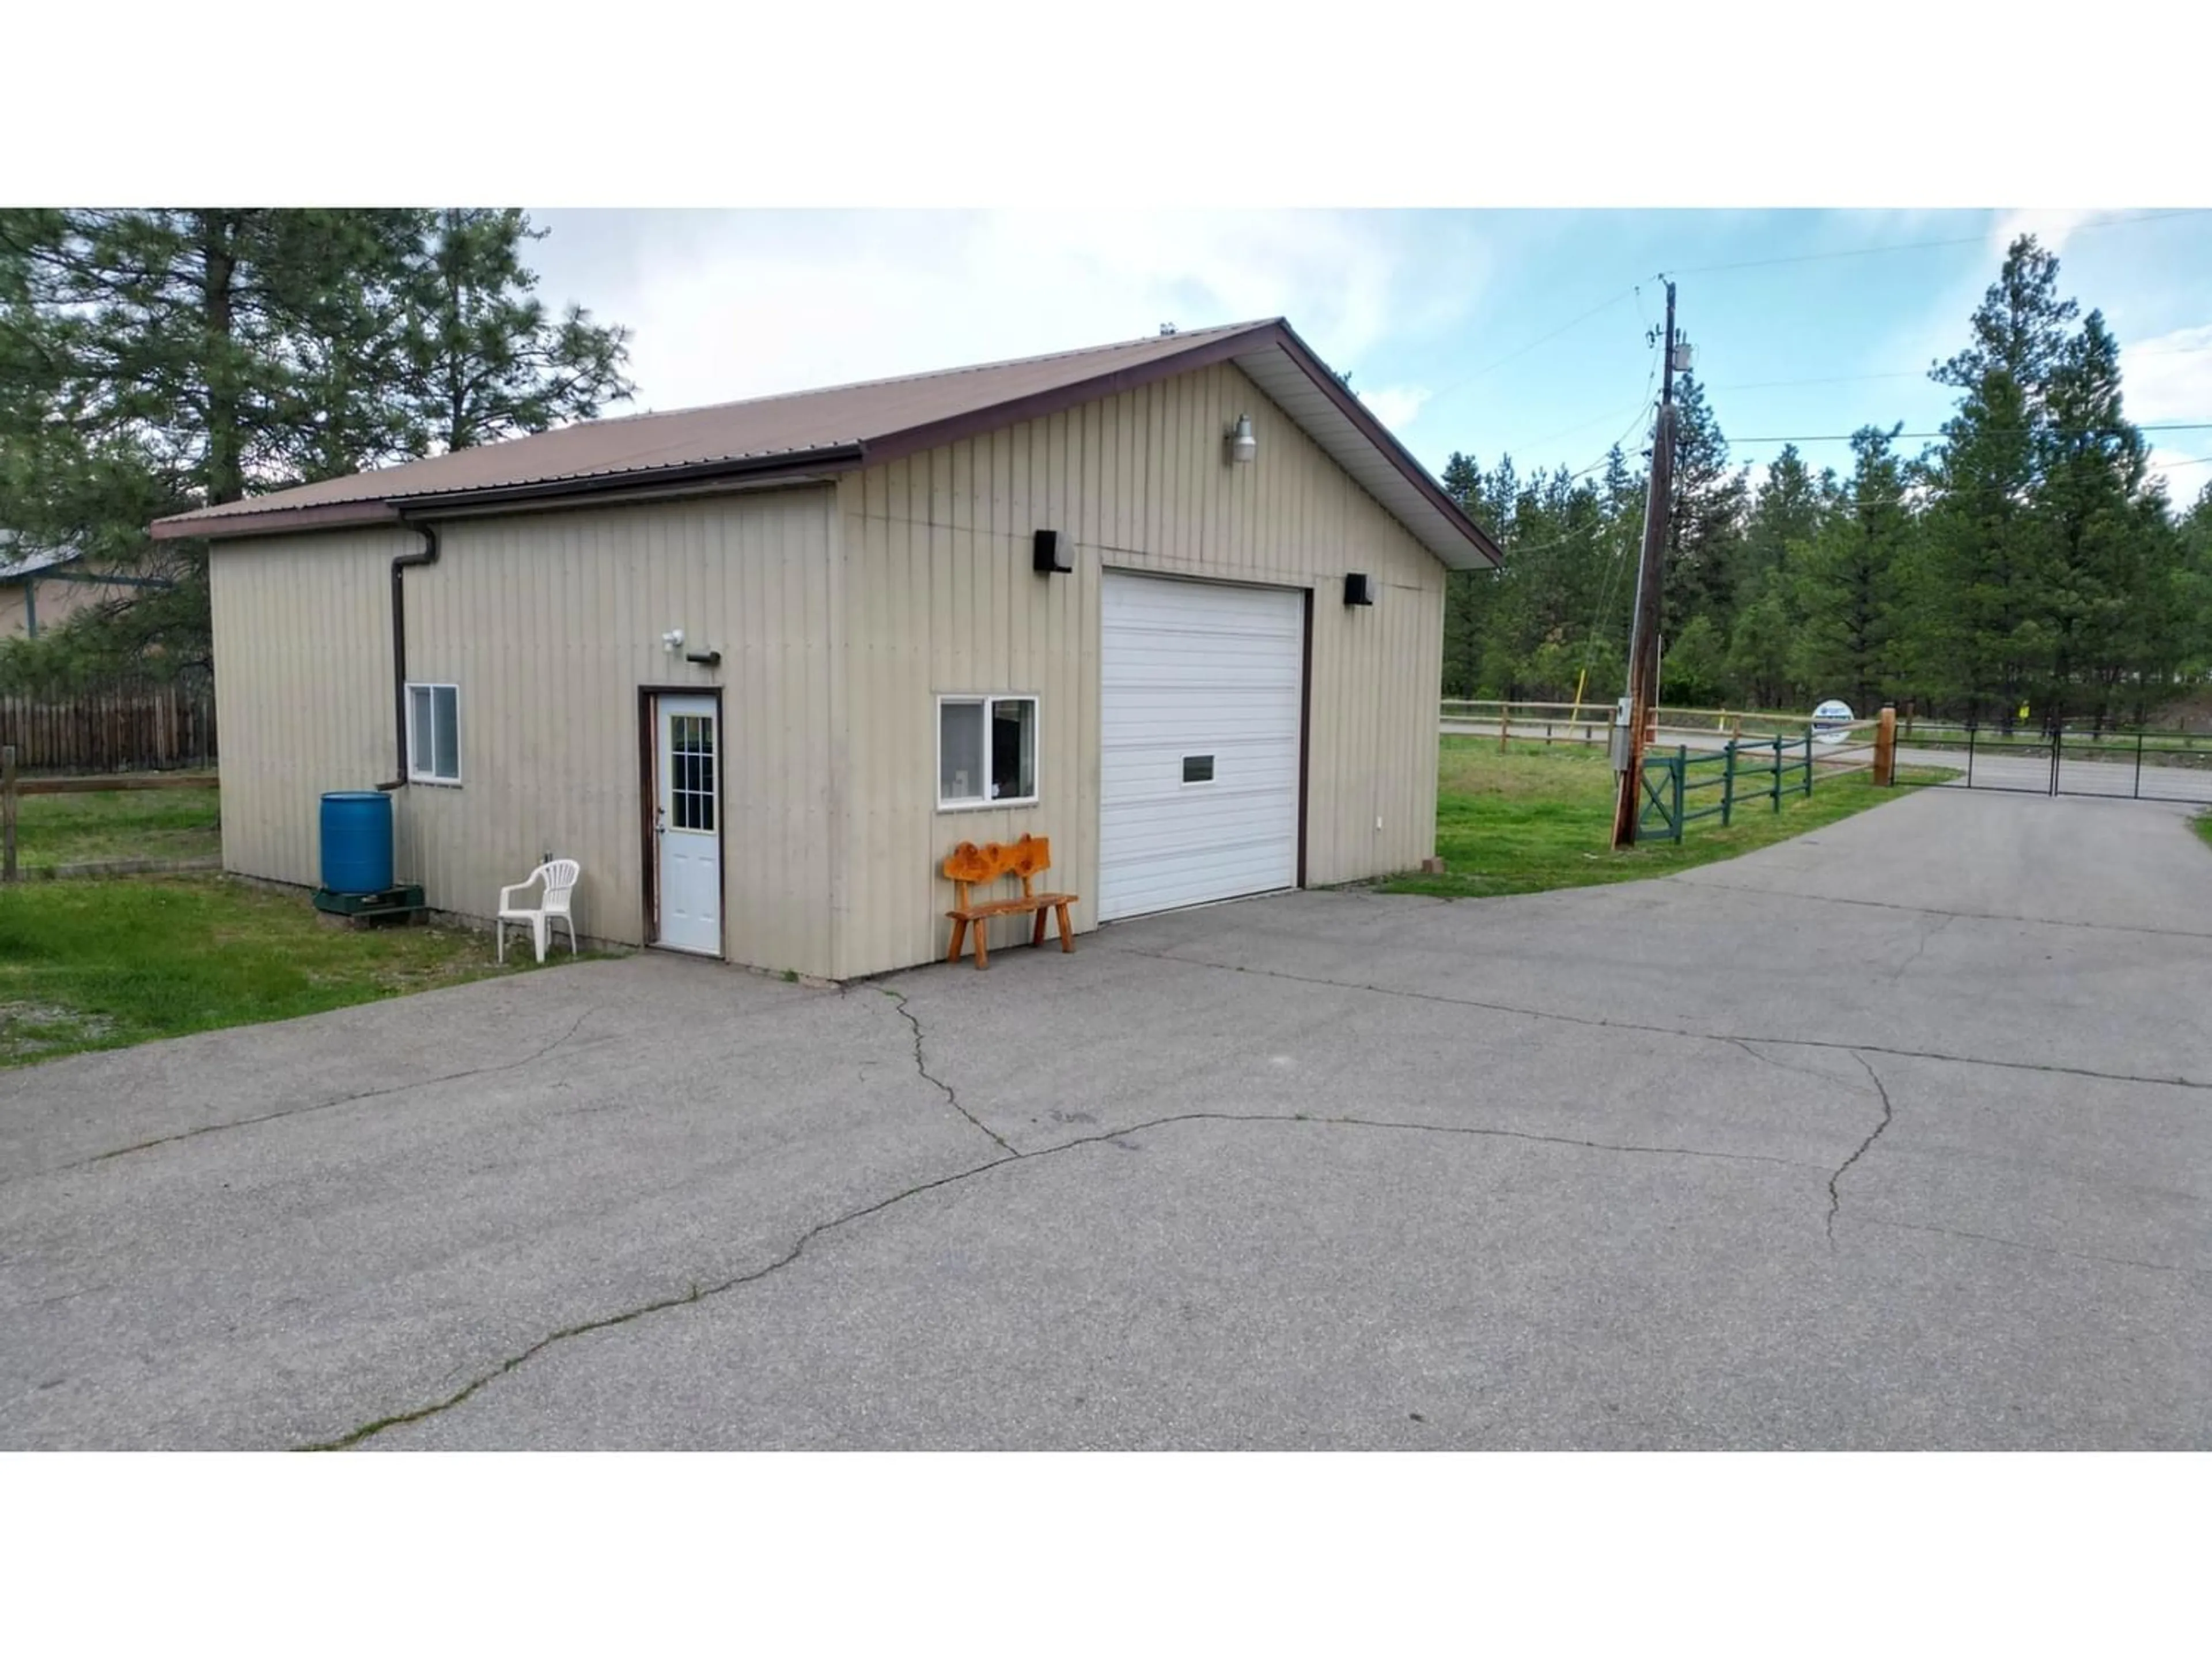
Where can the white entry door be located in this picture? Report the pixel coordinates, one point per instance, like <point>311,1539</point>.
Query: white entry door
<point>1202,689</point>
<point>688,825</point>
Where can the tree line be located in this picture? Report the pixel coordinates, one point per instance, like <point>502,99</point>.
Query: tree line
<point>2026,560</point>
<point>156,361</point>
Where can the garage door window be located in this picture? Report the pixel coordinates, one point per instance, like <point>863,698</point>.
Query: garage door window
<point>986,751</point>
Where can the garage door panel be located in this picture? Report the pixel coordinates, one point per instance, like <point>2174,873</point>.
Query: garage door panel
<point>1237,758</point>
<point>1139,784</point>
<point>1257,676</point>
<point>1192,669</point>
<point>1268,862</point>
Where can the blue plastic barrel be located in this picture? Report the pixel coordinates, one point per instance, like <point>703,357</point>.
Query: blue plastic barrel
<point>357,841</point>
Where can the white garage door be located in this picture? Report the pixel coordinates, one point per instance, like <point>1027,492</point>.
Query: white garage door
<point>1199,715</point>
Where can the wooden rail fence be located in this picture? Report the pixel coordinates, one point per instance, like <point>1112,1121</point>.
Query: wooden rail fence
<point>14,786</point>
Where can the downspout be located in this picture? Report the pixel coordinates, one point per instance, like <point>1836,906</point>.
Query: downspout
<point>401,564</point>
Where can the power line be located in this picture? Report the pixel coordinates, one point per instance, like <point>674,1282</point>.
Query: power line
<point>1650,379</point>
<point>1514,357</point>
<point>1907,248</point>
<point>1635,291</point>
<point>2126,353</point>
<point>1993,432</point>
<point>1583,472</point>
<point>1610,414</point>
<point>1820,379</point>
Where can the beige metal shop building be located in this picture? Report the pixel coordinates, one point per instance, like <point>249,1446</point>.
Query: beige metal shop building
<point>1177,604</point>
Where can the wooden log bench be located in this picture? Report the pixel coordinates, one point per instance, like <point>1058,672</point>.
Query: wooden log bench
<point>970,867</point>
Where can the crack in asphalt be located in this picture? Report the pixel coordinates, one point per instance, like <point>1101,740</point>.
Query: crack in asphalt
<point>318,1106</point>
<point>352,1099</point>
<point>1745,1043</point>
<point>1888,1116</point>
<point>2039,1250</point>
<point>952,1095</point>
<point>1920,949</point>
<point>1593,1022</point>
<point>695,1292</point>
<point>1691,880</point>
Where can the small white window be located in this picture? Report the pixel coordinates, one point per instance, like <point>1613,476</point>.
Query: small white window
<point>986,751</point>
<point>433,733</point>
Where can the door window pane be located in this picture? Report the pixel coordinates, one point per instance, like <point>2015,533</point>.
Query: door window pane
<point>692,772</point>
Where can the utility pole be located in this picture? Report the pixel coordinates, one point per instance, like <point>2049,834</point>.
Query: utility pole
<point>1644,648</point>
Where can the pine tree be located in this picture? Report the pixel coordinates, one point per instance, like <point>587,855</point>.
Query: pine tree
<point>186,357</point>
<point>1705,517</point>
<point>1846,580</point>
<point>1465,591</point>
<point>1984,636</point>
<point>152,361</point>
<point>2052,567</point>
<point>2111,553</point>
<point>482,360</point>
<point>1785,513</point>
<point>2192,588</point>
<point>1764,647</point>
<point>1693,672</point>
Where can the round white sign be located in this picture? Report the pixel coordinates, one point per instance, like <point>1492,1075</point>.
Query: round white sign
<point>1832,722</point>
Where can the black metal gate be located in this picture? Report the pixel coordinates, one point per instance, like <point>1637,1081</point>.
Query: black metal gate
<point>2174,766</point>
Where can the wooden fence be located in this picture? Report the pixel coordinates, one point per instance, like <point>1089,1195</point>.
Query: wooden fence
<point>155,728</point>
<point>13,788</point>
<point>1592,721</point>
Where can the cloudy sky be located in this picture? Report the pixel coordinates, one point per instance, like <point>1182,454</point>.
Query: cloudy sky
<point>1479,331</point>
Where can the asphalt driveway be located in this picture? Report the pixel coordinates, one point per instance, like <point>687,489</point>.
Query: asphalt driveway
<point>1893,1136</point>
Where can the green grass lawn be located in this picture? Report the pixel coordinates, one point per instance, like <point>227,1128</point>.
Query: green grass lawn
<point>1536,818</point>
<point>103,963</point>
<point>2204,827</point>
<point>120,823</point>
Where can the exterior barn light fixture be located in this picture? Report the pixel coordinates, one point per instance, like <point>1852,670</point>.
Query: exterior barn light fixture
<point>1358,589</point>
<point>1242,445</point>
<point>1051,554</point>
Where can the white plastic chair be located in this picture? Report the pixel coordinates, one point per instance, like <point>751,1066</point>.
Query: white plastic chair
<point>558,879</point>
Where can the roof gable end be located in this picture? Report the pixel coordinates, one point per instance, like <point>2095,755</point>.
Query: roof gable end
<point>838,428</point>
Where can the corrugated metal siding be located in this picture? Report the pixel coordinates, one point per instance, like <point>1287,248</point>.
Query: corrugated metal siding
<point>940,598</point>
<point>302,688</point>
<point>548,623</point>
<point>840,616</point>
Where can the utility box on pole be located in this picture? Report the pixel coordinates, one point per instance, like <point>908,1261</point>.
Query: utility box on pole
<point>1623,714</point>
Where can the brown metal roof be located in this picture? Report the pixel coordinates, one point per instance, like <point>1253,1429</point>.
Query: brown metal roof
<point>843,427</point>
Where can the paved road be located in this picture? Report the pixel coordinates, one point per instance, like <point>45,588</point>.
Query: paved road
<point>1893,1136</point>
<point>2085,767</point>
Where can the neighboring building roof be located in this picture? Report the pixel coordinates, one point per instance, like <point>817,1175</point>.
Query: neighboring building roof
<point>843,427</point>
<point>14,566</point>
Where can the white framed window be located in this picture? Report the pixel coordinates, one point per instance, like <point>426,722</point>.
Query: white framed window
<point>986,751</point>
<point>433,733</point>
